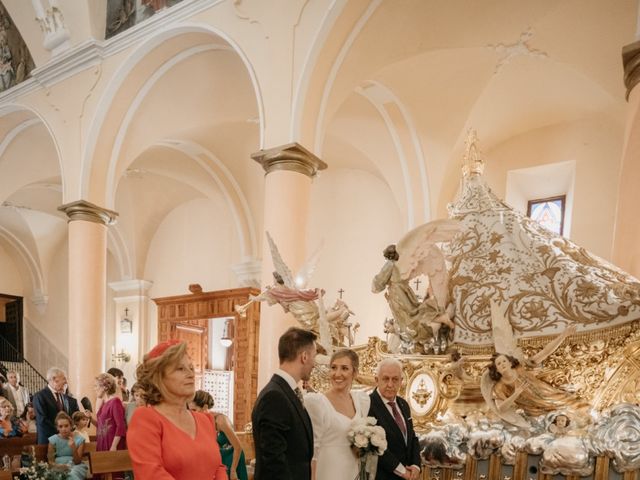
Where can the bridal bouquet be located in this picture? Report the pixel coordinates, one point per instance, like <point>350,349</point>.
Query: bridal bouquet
<point>370,441</point>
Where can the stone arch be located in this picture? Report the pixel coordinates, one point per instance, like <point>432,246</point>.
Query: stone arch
<point>120,99</point>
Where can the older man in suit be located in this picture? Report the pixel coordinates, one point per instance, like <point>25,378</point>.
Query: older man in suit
<point>402,457</point>
<point>16,393</point>
<point>282,429</point>
<point>51,400</point>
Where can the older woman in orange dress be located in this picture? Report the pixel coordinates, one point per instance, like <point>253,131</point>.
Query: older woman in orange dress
<point>166,440</point>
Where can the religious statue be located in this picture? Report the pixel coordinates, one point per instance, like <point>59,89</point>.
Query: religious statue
<point>565,449</point>
<point>341,330</point>
<point>418,322</point>
<point>288,291</point>
<point>510,383</point>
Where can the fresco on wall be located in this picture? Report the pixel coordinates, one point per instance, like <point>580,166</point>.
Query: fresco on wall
<point>15,59</point>
<point>123,14</point>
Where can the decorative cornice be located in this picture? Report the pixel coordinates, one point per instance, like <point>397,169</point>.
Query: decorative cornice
<point>292,156</point>
<point>248,272</point>
<point>88,212</point>
<point>631,63</point>
<point>92,52</point>
<point>140,286</point>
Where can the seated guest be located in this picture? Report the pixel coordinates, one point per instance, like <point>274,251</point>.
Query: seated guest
<point>28,417</point>
<point>66,449</point>
<point>139,400</point>
<point>16,393</point>
<point>81,425</point>
<point>166,440</point>
<point>230,446</point>
<point>10,426</point>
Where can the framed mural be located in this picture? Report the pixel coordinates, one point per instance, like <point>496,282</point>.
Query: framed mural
<point>124,14</point>
<point>15,59</point>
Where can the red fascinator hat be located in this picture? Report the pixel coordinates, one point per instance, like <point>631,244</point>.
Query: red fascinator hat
<point>159,349</point>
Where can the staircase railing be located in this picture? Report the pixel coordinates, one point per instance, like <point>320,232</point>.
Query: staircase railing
<point>12,359</point>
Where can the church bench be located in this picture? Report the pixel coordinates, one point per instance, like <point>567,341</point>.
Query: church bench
<point>109,462</point>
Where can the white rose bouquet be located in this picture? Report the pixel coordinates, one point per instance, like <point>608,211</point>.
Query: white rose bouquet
<point>370,441</point>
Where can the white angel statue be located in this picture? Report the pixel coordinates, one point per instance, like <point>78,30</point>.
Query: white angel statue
<point>305,304</point>
<point>289,291</point>
<point>417,322</point>
<point>509,384</point>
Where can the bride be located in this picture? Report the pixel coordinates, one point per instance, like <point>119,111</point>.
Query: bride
<point>331,415</point>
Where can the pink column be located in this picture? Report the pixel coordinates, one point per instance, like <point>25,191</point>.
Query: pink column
<point>289,172</point>
<point>87,293</point>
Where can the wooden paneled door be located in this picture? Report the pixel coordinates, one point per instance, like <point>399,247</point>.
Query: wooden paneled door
<point>186,317</point>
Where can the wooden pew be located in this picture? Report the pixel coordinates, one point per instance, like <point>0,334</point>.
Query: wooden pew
<point>4,475</point>
<point>109,462</point>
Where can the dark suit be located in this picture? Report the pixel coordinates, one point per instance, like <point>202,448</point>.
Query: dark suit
<point>397,450</point>
<point>44,403</point>
<point>282,434</point>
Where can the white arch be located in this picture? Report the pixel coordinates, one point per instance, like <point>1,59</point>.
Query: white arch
<point>120,251</point>
<point>16,107</point>
<point>130,64</point>
<point>397,143</point>
<point>362,21</point>
<point>415,141</point>
<point>35,272</point>
<point>133,108</point>
<point>229,187</point>
<point>302,85</point>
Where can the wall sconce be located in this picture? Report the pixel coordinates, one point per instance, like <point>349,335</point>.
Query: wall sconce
<point>120,357</point>
<point>227,333</point>
<point>126,325</point>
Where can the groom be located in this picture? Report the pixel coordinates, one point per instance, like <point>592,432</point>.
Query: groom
<point>402,457</point>
<point>282,429</point>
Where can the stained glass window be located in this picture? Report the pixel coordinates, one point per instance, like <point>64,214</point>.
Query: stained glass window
<point>548,212</point>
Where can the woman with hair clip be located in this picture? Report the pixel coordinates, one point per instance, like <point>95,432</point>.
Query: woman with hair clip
<point>166,440</point>
<point>230,446</point>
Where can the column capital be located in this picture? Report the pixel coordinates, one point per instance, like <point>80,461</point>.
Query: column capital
<point>631,64</point>
<point>83,210</point>
<point>248,272</point>
<point>292,156</point>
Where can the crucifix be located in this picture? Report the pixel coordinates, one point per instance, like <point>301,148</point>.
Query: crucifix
<point>340,292</point>
<point>417,283</point>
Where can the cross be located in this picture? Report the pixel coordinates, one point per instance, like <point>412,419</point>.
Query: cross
<point>417,283</point>
<point>340,292</point>
<point>126,312</point>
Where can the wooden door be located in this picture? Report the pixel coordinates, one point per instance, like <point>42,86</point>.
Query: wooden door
<point>196,340</point>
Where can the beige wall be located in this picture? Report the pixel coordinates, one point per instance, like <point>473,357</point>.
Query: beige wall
<point>595,146</point>
<point>356,215</point>
<point>11,282</point>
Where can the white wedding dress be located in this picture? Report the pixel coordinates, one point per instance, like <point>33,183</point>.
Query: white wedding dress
<point>334,457</point>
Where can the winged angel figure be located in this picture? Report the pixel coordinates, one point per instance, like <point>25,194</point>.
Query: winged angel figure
<point>510,386</point>
<point>305,304</point>
<point>418,322</point>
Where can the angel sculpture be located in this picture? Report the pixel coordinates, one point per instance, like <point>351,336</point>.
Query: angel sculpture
<point>418,322</point>
<point>509,383</point>
<point>289,291</point>
<point>306,305</point>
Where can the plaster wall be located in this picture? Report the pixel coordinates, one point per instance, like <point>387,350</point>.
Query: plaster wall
<point>355,213</point>
<point>10,280</point>
<point>595,146</point>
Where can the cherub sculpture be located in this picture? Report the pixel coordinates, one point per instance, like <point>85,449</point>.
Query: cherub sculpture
<point>510,384</point>
<point>417,322</point>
